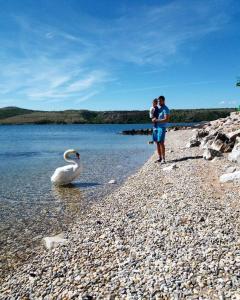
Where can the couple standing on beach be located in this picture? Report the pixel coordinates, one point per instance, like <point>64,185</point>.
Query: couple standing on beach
<point>159,113</point>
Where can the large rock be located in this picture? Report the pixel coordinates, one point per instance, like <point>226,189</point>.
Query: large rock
<point>51,242</point>
<point>217,145</point>
<point>230,177</point>
<point>201,133</point>
<point>235,154</point>
<point>207,141</point>
<point>221,146</point>
<point>233,135</point>
<point>209,154</point>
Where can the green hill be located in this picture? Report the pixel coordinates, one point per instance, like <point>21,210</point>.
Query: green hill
<point>11,111</point>
<point>14,115</point>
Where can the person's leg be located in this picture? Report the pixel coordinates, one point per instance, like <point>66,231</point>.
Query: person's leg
<point>159,151</point>
<point>162,143</point>
<point>162,147</point>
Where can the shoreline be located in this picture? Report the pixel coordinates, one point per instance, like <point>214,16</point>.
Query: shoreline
<point>142,241</point>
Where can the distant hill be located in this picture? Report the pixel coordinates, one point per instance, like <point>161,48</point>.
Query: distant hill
<point>11,111</point>
<point>15,115</point>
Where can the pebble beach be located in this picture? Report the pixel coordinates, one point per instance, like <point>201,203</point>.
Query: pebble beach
<point>166,233</point>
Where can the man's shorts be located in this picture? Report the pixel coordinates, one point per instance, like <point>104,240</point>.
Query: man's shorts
<point>159,134</point>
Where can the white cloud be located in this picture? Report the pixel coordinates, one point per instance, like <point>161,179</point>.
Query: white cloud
<point>227,103</point>
<point>87,82</point>
<point>46,79</point>
<point>222,102</point>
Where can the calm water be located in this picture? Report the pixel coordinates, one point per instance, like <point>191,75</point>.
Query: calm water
<point>30,207</point>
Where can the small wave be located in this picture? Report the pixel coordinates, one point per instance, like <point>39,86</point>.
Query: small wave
<point>20,154</point>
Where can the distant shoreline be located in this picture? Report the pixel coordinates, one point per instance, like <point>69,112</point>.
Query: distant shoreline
<point>19,116</point>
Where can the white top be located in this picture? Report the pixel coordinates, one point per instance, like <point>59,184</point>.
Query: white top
<point>151,112</point>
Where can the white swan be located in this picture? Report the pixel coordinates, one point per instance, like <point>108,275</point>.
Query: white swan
<point>65,175</point>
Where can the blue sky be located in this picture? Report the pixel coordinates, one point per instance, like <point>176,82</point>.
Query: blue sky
<point>107,55</point>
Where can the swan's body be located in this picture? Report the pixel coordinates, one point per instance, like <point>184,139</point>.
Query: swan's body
<point>65,175</point>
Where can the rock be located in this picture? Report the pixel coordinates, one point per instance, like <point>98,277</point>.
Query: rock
<point>205,144</point>
<point>193,143</point>
<point>222,137</point>
<point>201,219</point>
<point>209,154</point>
<point>230,177</point>
<point>207,141</point>
<point>202,133</point>
<point>233,135</point>
<point>171,167</point>
<point>217,145</point>
<point>113,181</point>
<point>235,154</point>
<point>137,132</point>
<point>54,241</point>
<point>230,169</point>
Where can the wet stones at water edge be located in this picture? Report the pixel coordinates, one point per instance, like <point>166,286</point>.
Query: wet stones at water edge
<point>112,181</point>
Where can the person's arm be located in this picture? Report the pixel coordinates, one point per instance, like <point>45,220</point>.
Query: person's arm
<point>165,120</point>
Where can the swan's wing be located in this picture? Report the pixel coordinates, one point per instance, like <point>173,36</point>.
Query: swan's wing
<point>62,174</point>
<point>65,175</point>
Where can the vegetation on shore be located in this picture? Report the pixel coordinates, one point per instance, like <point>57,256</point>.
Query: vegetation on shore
<point>15,115</point>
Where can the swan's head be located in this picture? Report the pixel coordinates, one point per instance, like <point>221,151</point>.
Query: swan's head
<point>69,152</point>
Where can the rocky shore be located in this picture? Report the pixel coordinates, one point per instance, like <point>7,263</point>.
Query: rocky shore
<point>166,233</point>
<point>218,137</point>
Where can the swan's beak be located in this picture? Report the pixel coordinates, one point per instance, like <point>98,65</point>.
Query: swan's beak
<point>78,155</point>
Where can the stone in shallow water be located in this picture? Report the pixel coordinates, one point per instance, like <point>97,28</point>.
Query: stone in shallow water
<point>51,242</point>
<point>112,181</point>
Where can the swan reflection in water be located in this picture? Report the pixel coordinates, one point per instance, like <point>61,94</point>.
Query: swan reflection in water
<point>72,198</point>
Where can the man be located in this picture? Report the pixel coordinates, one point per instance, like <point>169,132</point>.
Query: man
<point>162,120</point>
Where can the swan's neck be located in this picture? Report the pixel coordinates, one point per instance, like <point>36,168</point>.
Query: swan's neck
<point>72,161</point>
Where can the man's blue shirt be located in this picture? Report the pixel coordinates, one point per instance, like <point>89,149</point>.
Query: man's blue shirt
<point>163,111</point>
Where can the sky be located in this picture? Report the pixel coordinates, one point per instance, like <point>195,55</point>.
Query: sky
<point>119,55</point>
